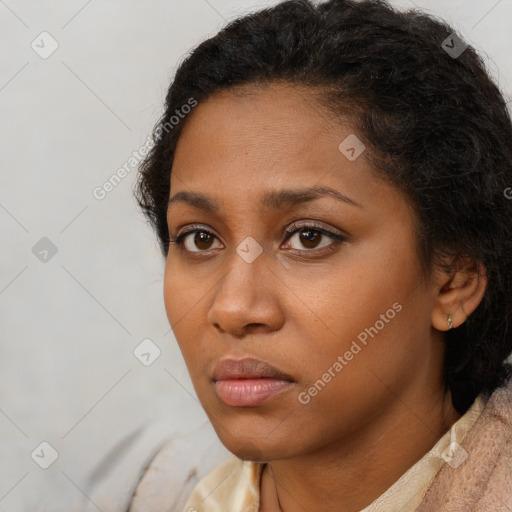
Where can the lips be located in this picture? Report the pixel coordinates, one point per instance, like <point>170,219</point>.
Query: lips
<point>248,382</point>
<point>248,368</point>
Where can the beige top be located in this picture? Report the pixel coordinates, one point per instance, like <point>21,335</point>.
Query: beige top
<point>234,486</point>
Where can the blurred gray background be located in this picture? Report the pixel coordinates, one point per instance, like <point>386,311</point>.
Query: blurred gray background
<point>81,86</point>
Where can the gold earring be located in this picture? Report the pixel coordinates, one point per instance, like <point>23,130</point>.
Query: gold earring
<point>450,322</point>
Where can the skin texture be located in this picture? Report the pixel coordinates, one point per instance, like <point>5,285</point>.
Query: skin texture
<point>386,408</point>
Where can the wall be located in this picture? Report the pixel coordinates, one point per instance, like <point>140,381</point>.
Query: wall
<point>81,279</point>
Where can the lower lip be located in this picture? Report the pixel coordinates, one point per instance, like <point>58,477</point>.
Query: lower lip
<point>249,392</point>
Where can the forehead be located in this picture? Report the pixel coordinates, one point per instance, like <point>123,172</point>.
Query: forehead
<point>278,117</point>
<point>258,135</point>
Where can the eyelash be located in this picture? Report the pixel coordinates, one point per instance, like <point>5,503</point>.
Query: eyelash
<point>288,233</point>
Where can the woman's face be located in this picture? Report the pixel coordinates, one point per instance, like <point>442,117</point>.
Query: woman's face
<point>336,315</point>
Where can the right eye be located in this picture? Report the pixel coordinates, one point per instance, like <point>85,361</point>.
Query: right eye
<point>201,242</point>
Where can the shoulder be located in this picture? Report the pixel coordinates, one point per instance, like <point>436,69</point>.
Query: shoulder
<point>481,481</point>
<point>153,468</point>
<point>176,470</point>
<point>234,485</point>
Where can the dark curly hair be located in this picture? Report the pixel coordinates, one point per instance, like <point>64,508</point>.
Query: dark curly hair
<point>435,124</point>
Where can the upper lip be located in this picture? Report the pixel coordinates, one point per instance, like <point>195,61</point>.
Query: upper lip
<point>247,368</point>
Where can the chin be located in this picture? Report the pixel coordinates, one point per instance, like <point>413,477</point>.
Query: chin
<point>250,434</point>
<point>254,448</point>
<point>250,452</point>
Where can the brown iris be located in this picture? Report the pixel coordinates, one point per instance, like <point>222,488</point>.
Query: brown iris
<point>311,237</point>
<point>202,238</point>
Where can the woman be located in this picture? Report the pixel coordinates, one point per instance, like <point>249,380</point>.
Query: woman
<point>329,188</point>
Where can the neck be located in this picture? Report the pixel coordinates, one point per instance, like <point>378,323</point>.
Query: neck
<point>350,474</point>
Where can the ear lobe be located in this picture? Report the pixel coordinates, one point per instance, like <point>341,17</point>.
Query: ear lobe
<point>458,294</point>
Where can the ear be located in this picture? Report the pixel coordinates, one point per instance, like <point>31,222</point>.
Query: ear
<point>457,293</point>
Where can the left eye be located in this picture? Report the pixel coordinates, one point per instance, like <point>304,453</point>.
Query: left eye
<point>310,237</point>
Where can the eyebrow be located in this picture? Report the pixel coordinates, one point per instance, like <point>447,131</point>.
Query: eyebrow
<point>270,200</point>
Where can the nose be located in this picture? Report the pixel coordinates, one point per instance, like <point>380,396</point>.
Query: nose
<point>247,298</point>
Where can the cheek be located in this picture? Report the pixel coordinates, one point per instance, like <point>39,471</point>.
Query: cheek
<point>186,293</point>
<point>353,293</point>
<point>373,314</point>
<point>173,286</point>
<point>184,290</point>
<point>181,302</point>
